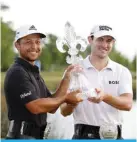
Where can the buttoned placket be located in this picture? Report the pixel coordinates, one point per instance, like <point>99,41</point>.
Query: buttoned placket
<point>100,79</point>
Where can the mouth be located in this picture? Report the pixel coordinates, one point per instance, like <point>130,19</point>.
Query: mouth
<point>103,49</point>
<point>33,52</point>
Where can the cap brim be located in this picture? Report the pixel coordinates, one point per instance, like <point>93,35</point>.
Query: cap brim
<point>41,35</point>
<point>104,33</point>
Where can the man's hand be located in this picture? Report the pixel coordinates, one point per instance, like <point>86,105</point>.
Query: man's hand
<point>64,84</point>
<point>70,69</point>
<point>73,97</point>
<point>100,96</point>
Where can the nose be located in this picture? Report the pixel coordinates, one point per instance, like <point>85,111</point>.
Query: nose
<point>33,45</point>
<point>105,44</point>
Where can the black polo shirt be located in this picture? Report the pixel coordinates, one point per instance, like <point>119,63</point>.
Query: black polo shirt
<point>22,85</point>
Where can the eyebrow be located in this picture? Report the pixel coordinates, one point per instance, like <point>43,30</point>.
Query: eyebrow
<point>31,39</point>
<point>109,38</point>
<point>27,39</point>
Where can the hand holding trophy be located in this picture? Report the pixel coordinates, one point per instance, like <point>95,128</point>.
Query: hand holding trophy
<point>77,80</point>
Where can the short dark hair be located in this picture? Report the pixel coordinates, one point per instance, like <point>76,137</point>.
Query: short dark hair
<point>18,41</point>
<point>92,37</point>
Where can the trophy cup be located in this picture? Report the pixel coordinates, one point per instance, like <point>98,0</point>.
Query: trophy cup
<point>78,79</point>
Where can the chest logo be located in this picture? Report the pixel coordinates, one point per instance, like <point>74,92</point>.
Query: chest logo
<point>113,82</point>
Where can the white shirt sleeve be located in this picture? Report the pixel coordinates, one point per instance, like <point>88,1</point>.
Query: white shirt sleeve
<point>125,82</point>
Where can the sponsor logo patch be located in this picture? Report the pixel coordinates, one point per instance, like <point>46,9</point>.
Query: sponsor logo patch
<point>22,96</point>
<point>113,82</point>
<point>106,28</point>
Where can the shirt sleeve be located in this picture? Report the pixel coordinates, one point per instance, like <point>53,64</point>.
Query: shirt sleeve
<point>125,82</point>
<point>21,87</point>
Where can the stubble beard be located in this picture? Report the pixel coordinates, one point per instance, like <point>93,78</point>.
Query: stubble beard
<point>29,59</point>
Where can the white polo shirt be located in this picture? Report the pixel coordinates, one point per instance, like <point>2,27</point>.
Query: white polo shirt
<point>114,79</point>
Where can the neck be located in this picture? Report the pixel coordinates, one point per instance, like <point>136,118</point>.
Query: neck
<point>31,62</point>
<point>98,63</point>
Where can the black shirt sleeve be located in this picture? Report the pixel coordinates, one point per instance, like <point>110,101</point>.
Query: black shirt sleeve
<point>20,87</point>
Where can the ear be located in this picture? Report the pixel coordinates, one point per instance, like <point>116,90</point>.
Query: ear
<point>90,39</point>
<point>114,43</point>
<point>17,45</point>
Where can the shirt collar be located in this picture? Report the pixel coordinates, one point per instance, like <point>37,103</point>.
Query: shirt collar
<point>27,65</point>
<point>110,65</point>
<point>88,64</point>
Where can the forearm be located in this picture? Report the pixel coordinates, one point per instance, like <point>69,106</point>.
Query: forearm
<point>45,105</point>
<point>122,102</point>
<point>67,109</point>
<point>61,91</point>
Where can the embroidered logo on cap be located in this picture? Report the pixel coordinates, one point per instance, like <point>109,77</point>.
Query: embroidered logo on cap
<point>32,28</point>
<point>106,28</point>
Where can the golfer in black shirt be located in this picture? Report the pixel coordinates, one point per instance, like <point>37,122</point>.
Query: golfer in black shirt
<point>27,96</point>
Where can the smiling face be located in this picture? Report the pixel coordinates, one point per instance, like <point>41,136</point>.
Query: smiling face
<point>101,46</point>
<point>29,47</point>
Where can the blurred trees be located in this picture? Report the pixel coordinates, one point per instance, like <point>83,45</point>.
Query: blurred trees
<point>118,57</point>
<point>7,54</point>
<point>134,63</point>
<point>7,37</point>
<point>51,58</point>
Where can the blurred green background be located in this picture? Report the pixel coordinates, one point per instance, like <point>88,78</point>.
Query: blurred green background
<point>53,64</point>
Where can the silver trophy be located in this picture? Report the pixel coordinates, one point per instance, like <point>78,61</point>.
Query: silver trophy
<point>78,79</point>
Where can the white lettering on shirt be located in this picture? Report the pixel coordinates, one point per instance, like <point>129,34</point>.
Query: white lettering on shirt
<point>25,95</point>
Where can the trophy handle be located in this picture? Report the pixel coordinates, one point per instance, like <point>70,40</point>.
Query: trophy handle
<point>60,43</point>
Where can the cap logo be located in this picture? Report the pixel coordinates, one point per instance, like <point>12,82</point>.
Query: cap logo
<point>106,28</point>
<point>32,28</point>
